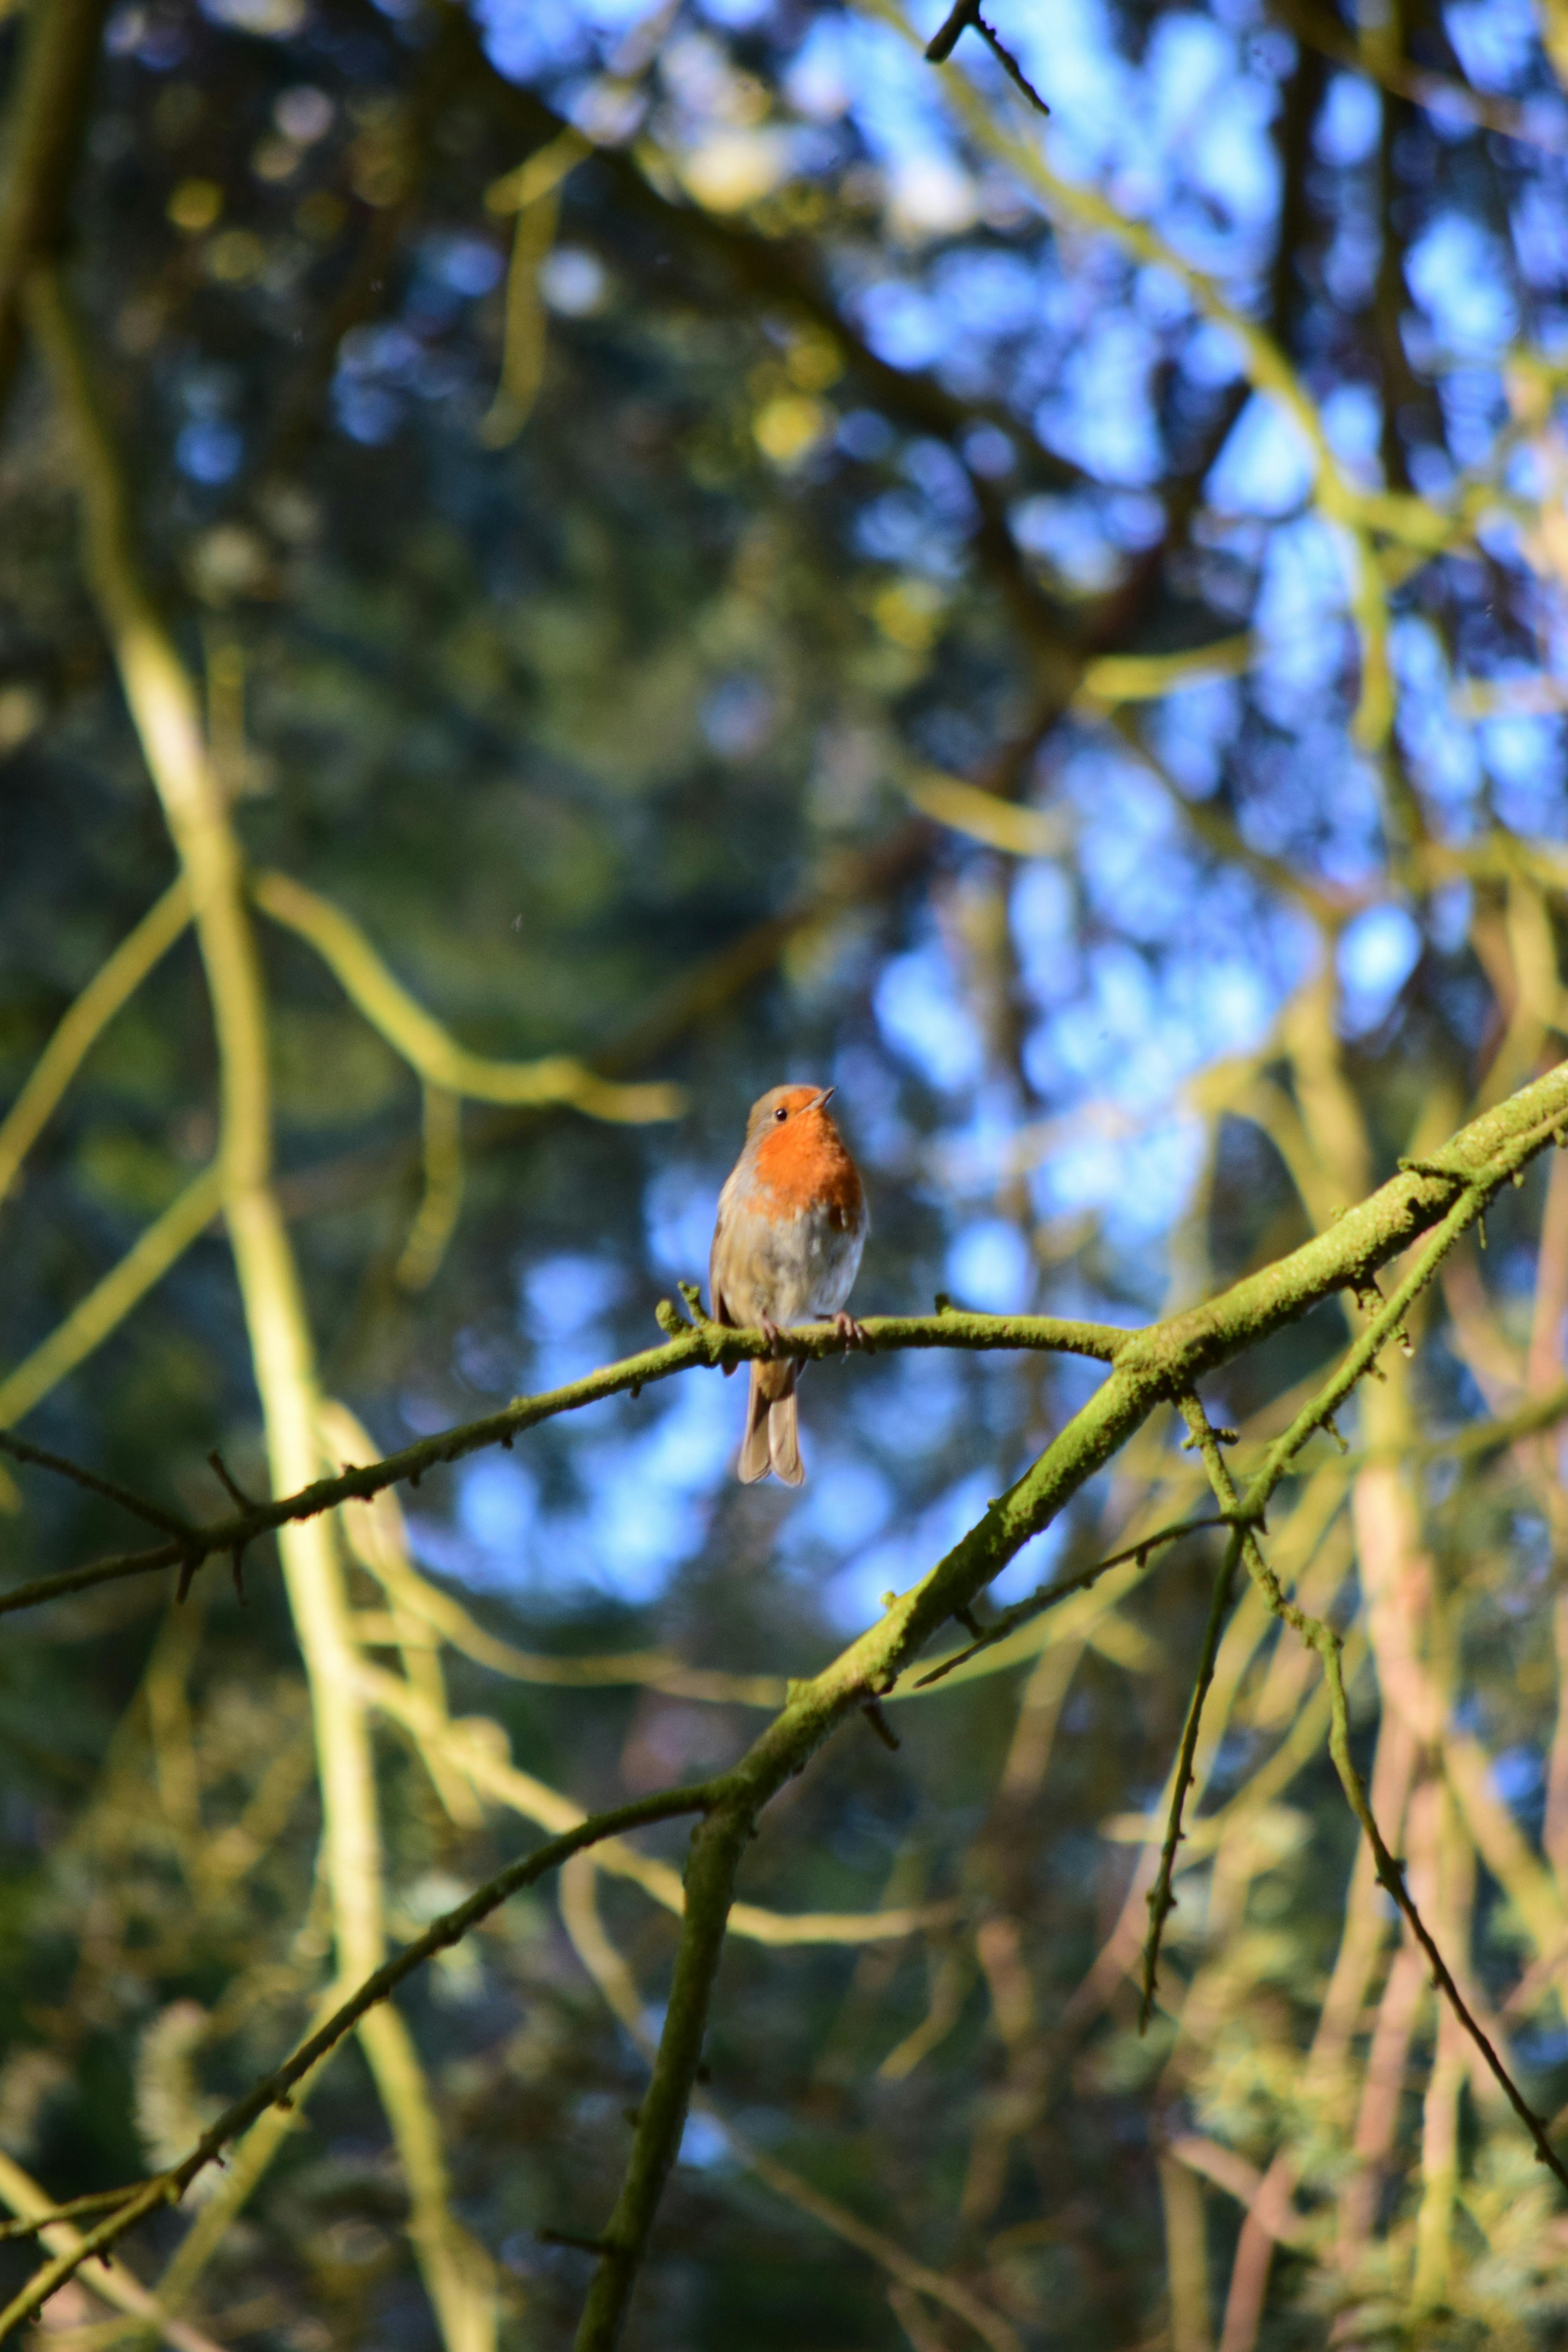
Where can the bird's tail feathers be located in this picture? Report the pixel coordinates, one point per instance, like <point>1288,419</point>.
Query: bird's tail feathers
<point>773,1431</point>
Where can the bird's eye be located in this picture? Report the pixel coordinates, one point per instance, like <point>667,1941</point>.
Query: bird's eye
<point>781,1113</point>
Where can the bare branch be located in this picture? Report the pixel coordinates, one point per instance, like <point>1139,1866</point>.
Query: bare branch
<point>966,16</point>
<point>1162,1900</point>
<point>20,1451</point>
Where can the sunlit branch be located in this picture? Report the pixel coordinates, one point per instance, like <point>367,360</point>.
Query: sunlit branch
<point>422,1041</point>
<point>1147,1368</point>
<point>116,980</point>
<point>1149,677</point>
<point>437,1220</point>
<point>1440,94</point>
<point>534,193</point>
<point>110,1301</point>
<point>659,1670</point>
<point>97,2200</point>
<point>165,710</point>
<point>986,816</point>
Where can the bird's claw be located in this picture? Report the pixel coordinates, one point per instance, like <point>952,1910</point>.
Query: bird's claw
<point>770,1331</point>
<point>853,1334</point>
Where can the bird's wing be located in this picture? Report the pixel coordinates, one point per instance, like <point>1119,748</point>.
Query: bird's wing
<point>719,1305</point>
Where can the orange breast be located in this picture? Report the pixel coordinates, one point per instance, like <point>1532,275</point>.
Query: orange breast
<point>805,1166</point>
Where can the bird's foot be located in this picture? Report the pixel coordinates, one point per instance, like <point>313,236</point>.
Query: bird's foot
<point>770,1331</point>
<point>853,1334</point>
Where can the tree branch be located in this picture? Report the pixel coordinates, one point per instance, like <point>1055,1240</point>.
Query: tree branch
<point>47,121</point>
<point>1151,1367</point>
<point>420,1038</point>
<point>706,1343</point>
<point>167,2188</point>
<point>116,980</point>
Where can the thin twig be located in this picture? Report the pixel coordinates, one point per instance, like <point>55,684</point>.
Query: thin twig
<point>230,1486</point>
<point>1162,1900</point>
<point>1048,1595</point>
<point>1391,1877</point>
<point>138,1506</point>
<point>966,17</point>
<point>111,986</point>
<point>97,2201</point>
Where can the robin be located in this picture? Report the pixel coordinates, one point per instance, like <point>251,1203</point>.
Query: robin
<point>791,1225</point>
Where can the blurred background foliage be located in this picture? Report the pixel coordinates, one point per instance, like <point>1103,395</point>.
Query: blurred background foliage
<point>730,553</point>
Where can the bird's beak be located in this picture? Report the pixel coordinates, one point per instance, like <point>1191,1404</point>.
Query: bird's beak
<point>824,1098</point>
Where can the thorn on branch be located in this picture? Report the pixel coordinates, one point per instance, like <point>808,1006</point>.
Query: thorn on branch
<point>584,2245</point>
<point>188,1568</point>
<point>942,1304</point>
<point>230,1485</point>
<point>634,1393</point>
<point>670,1319</point>
<point>964,17</point>
<point>872,1710</point>
<point>693,1298</point>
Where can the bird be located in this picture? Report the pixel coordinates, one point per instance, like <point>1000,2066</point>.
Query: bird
<point>786,1248</point>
